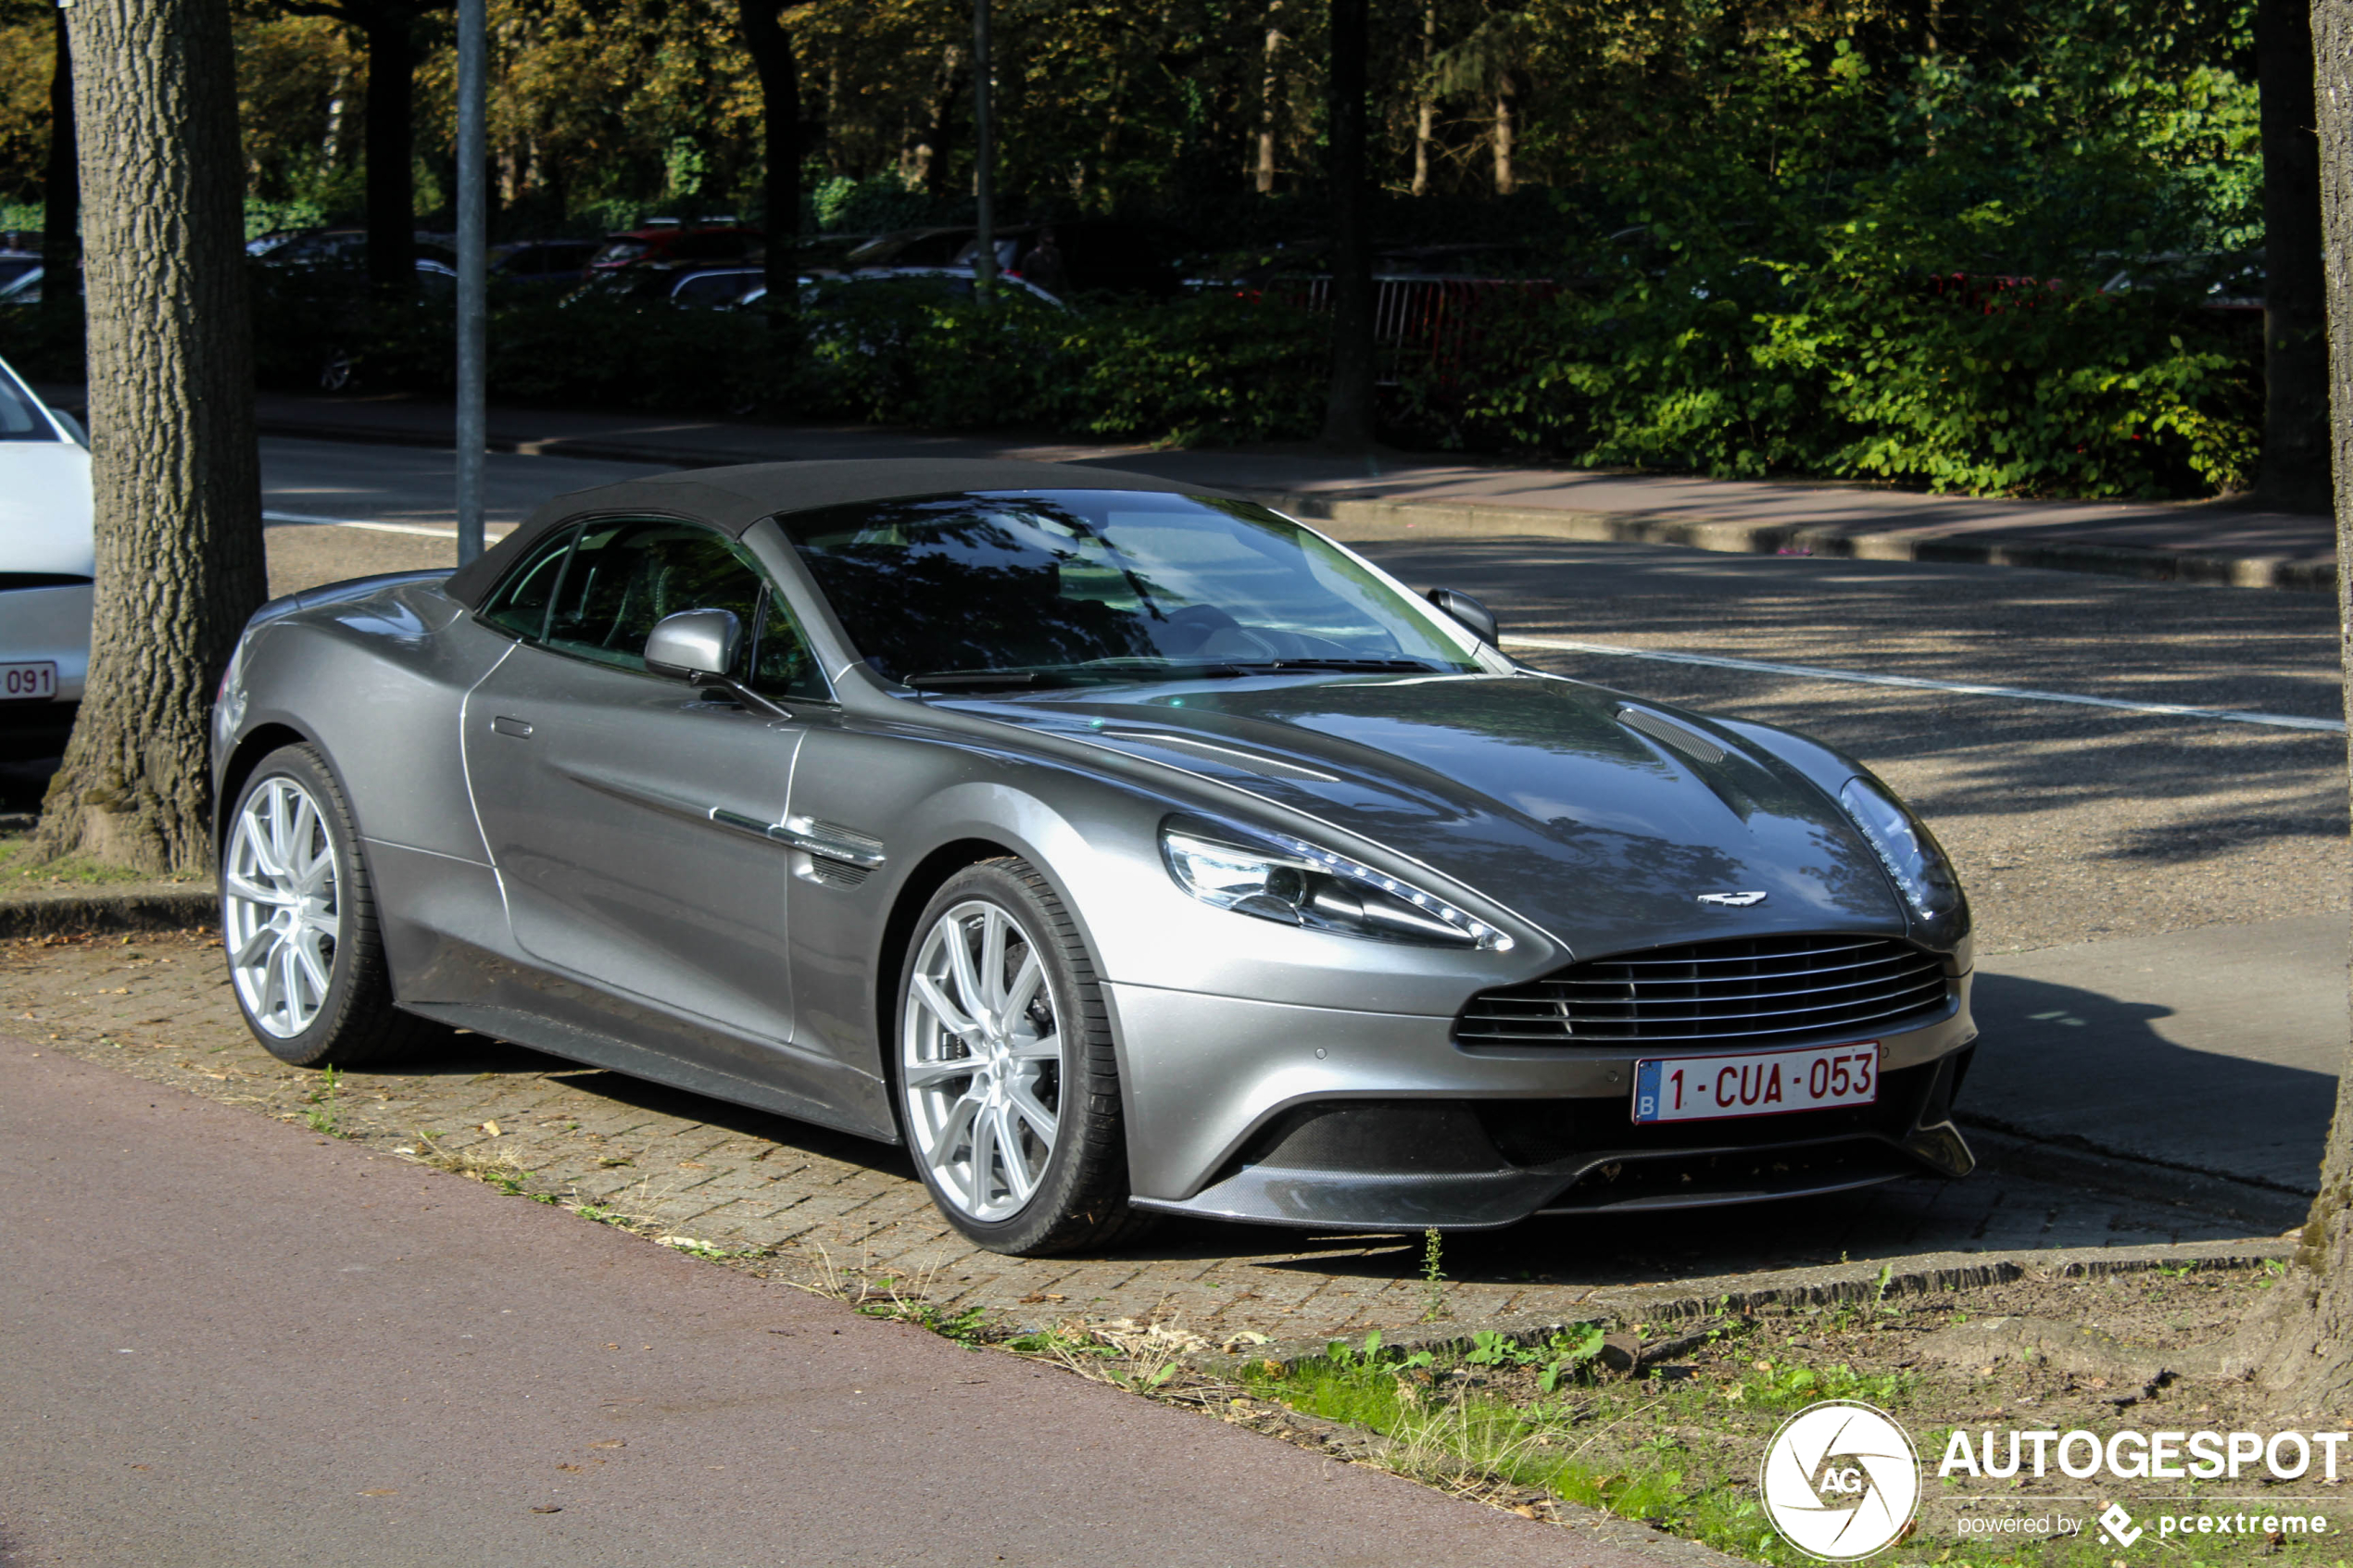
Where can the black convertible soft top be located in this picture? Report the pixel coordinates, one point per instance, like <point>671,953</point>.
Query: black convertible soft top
<point>734,498</point>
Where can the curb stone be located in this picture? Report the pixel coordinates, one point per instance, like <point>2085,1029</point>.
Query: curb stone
<point>66,914</point>
<point>1695,1300</point>
<point>1435,520</point>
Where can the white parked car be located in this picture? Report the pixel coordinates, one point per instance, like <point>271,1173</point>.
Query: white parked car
<point>47,564</point>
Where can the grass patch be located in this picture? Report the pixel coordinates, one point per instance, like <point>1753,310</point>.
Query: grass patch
<point>1677,1445</point>
<point>20,876</point>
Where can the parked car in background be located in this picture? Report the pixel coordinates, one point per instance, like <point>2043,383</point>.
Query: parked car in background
<point>944,282</point>
<point>718,287</point>
<point>543,263</point>
<point>25,288</point>
<point>662,244</point>
<point>46,568</point>
<point>1090,254</point>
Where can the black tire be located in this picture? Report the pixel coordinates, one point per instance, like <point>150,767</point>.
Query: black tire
<point>355,1024</point>
<point>1080,1201</point>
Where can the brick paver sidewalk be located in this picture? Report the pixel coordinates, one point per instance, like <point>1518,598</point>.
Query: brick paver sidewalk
<point>806,1203</point>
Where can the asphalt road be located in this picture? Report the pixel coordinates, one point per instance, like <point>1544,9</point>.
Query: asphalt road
<point>2161,900</point>
<point>230,1342</point>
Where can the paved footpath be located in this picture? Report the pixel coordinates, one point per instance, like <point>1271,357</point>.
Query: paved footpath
<point>224,1341</point>
<point>1393,495</point>
<point>799,1202</point>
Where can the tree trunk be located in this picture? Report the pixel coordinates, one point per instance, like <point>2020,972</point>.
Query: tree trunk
<point>779,70</point>
<point>2302,1338</point>
<point>177,479</point>
<point>1506,134</point>
<point>1426,119</point>
<point>392,177</point>
<point>2295,431</point>
<point>61,192</point>
<point>1348,412</point>
<point>1270,92</point>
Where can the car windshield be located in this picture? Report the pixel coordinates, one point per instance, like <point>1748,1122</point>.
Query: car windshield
<point>20,418</point>
<point>1076,585</point>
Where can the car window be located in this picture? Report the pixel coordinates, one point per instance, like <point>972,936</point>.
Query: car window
<point>520,603</point>
<point>1103,585</point>
<point>622,577</point>
<point>20,418</point>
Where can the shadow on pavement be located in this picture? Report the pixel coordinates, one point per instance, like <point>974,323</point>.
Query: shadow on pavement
<point>2066,1064</point>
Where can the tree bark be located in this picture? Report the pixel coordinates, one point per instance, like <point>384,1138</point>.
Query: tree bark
<point>778,67</point>
<point>175,472</point>
<point>1270,91</point>
<point>2304,1334</point>
<point>61,192</point>
<point>1348,410</point>
<point>2295,429</point>
<point>391,176</point>
<point>1425,115</point>
<point>1506,134</point>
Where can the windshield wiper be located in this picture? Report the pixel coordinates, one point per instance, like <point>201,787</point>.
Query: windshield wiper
<point>1279,665</point>
<point>958,680</point>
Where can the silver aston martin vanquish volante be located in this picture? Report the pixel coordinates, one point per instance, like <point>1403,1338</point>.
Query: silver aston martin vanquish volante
<point>1121,847</point>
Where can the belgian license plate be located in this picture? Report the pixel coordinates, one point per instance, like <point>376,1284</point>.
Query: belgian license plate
<point>1700,1088</point>
<point>28,683</point>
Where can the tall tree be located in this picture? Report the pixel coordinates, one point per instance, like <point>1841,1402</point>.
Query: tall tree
<point>1348,410</point>
<point>2309,1320</point>
<point>61,190</point>
<point>390,29</point>
<point>174,467</point>
<point>2296,428</point>
<point>773,59</point>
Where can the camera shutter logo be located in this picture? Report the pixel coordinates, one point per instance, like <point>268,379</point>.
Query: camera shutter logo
<point>1841,1480</point>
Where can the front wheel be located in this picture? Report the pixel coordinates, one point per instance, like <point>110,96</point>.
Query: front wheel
<point>298,917</point>
<point>1008,1085</point>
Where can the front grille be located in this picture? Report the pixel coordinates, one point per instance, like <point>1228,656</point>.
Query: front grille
<point>1748,988</point>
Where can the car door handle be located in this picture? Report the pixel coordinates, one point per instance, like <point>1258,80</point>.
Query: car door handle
<point>515,727</point>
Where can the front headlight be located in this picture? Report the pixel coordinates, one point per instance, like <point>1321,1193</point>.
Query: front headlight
<point>1293,882</point>
<point>1907,848</point>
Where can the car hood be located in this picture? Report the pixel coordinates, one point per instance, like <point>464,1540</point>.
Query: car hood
<point>44,508</point>
<point>1531,790</point>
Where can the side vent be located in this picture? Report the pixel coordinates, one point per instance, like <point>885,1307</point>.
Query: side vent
<point>835,852</point>
<point>1665,730</point>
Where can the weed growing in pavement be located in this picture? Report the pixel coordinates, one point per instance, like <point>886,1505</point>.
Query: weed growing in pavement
<point>1433,1277</point>
<point>326,1100</point>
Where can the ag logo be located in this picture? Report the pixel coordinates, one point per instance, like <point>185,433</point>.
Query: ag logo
<point>1841,1480</point>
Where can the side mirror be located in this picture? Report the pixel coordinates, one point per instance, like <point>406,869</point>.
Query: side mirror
<point>1463,608</point>
<point>695,644</point>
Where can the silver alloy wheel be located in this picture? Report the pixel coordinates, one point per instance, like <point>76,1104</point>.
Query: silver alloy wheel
<point>980,1061</point>
<point>280,913</point>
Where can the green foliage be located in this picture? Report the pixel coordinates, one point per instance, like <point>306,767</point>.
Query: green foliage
<point>1983,307</point>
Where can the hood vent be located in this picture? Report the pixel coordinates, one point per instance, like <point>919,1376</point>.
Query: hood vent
<point>1223,756</point>
<point>1665,730</point>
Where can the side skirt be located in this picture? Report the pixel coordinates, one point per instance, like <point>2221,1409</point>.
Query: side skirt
<point>618,1056</point>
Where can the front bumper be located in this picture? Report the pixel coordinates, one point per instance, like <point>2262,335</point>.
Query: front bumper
<point>1253,1110</point>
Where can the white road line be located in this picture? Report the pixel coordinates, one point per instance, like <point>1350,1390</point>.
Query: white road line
<point>428,531</point>
<point>1815,672</point>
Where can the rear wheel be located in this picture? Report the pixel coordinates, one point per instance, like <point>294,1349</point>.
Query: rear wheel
<point>1008,1085</point>
<point>298,919</point>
